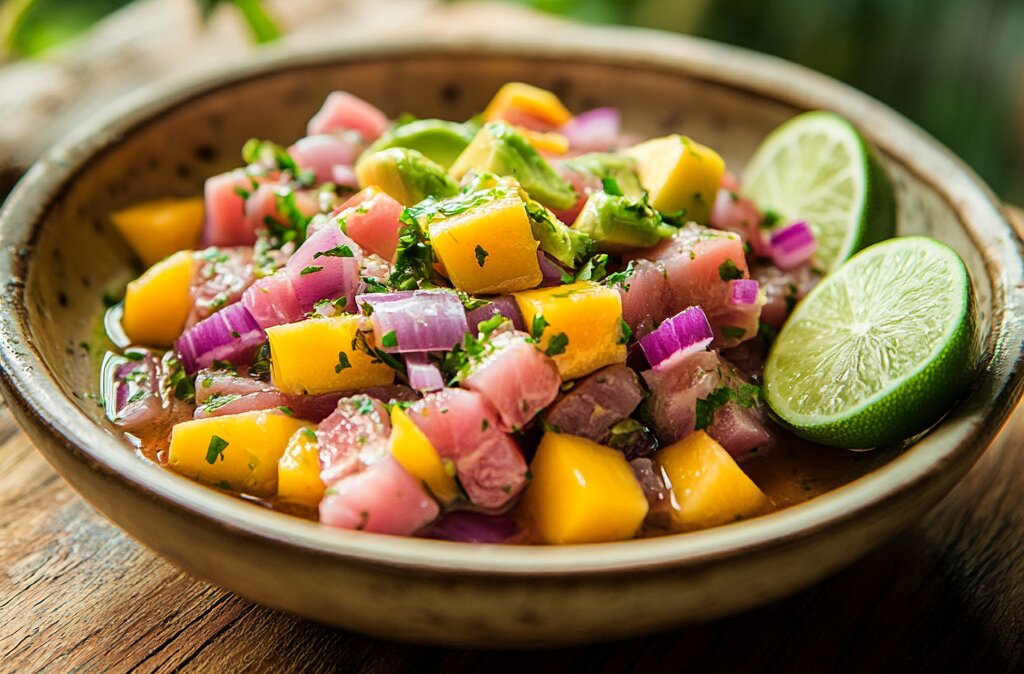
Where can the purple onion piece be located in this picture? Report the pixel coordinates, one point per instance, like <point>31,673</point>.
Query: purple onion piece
<point>551,273</point>
<point>230,335</point>
<point>421,320</point>
<point>505,305</point>
<point>793,245</point>
<point>593,130</point>
<point>423,375</point>
<point>468,526</point>
<point>687,331</point>
<point>326,266</point>
<point>743,291</point>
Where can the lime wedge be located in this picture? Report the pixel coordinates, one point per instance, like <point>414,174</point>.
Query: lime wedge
<point>816,167</point>
<point>879,350</point>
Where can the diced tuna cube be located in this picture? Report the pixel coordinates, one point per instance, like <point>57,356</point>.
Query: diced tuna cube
<point>465,429</point>
<point>272,300</point>
<point>353,437</point>
<point>262,204</point>
<point>783,289</point>
<point>735,213</point>
<point>219,278</point>
<point>699,263</point>
<point>225,210</point>
<point>342,111</point>
<point>373,221</point>
<point>739,429</point>
<point>384,499</point>
<point>646,297</point>
<point>515,377</point>
<point>597,403</point>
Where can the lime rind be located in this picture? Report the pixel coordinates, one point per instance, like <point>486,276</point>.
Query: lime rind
<point>879,350</point>
<point>816,167</point>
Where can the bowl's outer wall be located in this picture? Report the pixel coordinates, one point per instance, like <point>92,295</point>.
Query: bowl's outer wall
<point>383,585</point>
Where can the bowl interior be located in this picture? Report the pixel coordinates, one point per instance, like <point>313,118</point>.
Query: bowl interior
<point>70,255</point>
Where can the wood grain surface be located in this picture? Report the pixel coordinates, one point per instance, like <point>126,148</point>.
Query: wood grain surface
<point>76,594</point>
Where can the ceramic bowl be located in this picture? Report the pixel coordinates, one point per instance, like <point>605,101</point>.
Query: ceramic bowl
<point>59,254</point>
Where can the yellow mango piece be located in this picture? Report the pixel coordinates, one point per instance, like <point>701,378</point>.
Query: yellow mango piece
<point>155,229</point>
<point>550,142</point>
<point>298,470</point>
<point>589,315</point>
<point>411,448</point>
<point>582,492</point>
<point>157,303</point>
<point>316,356</point>
<point>679,175</point>
<point>708,487</point>
<point>488,249</point>
<point>235,451</point>
<point>525,98</point>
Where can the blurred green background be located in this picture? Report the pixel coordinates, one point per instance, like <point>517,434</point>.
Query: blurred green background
<point>956,67</point>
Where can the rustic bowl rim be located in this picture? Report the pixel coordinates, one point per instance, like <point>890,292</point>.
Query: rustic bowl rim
<point>958,439</point>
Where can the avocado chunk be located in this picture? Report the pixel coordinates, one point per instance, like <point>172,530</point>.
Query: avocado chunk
<point>610,167</point>
<point>567,245</point>
<point>440,140</point>
<point>407,175</point>
<point>619,223</point>
<point>500,149</point>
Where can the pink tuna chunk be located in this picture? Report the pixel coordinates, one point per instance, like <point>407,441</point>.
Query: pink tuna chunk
<point>515,377</point>
<point>373,222</point>
<point>321,153</point>
<point>353,437</point>
<point>739,214</point>
<point>342,111</point>
<point>225,210</point>
<point>646,298</point>
<point>595,404</point>
<point>219,278</point>
<point>699,262</point>
<point>383,499</point>
<point>783,289</point>
<point>464,428</point>
<point>272,301</point>
<point>739,429</point>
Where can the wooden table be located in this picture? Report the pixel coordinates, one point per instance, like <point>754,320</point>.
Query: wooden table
<point>78,594</point>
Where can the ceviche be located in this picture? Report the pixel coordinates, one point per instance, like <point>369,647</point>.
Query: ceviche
<point>525,327</point>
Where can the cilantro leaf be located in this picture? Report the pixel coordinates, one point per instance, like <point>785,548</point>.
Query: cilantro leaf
<point>728,271</point>
<point>216,449</point>
<point>481,255</point>
<point>343,362</point>
<point>557,344</point>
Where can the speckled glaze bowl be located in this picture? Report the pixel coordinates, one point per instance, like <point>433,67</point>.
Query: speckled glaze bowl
<point>59,254</point>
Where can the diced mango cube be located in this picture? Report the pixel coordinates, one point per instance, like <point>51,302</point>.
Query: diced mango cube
<point>679,175</point>
<point>549,141</point>
<point>298,470</point>
<point>318,356</point>
<point>488,248</point>
<point>709,488</point>
<point>579,324</point>
<point>582,492</point>
<point>411,448</point>
<point>157,303</point>
<point>515,99</point>
<point>155,229</point>
<point>235,451</point>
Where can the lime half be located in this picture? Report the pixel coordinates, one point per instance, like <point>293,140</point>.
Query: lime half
<point>879,350</point>
<point>816,167</point>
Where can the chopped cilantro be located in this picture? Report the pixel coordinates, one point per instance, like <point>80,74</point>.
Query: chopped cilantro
<point>179,382</point>
<point>309,434</point>
<point>216,449</point>
<point>733,332</point>
<point>594,269</point>
<point>484,424</point>
<point>130,355</point>
<point>287,410</point>
<point>625,332</point>
<point>485,328</point>
<point>390,339</point>
<point>728,271</point>
<point>337,251</point>
<point>611,186</point>
<point>310,270</point>
<point>343,362</point>
<point>538,326</point>
<point>365,405</point>
<point>218,400</point>
<point>746,395</point>
<point>481,254</point>
<point>557,344</point>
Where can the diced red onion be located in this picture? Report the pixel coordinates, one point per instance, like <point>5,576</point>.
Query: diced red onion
<point>344,176</point>
<point>231,335</point>
<point>469,526</point>
<point>322,153</point>
<point>793,245</point>
<point>595,130</point>
<point>318,276</point>
<point>743,291</point>
<point>505,305</point>
<point>687,331</point>
<point>423,375</point>
<point>421,320</point>
<point>551,273</point>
